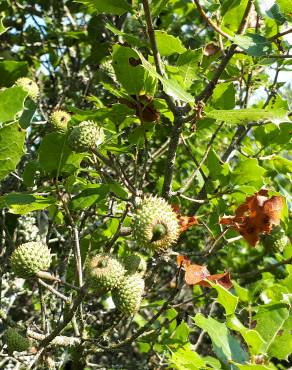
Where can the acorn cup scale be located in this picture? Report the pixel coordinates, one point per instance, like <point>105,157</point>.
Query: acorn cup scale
<point>85,137</point>
<point>15,341</point>
<point>155,224</point>
<point>135,263</point>
<point>276,241</point>
<point>59,121</point>
<point>127,296</point>
<point>104,273</point>
<point>29,86</point>
<point>30,258</point>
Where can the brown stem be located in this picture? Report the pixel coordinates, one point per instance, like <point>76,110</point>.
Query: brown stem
<point>210,22</point>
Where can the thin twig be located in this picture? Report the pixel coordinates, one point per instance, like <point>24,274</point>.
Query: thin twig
<point>280,34</point>
<point>190,180</point>
<point>210,22</point>
<point>54,291</point>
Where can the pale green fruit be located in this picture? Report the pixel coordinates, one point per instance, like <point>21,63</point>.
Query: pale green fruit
<point>104,272</point>
<point>276,241</point>
<point>155,224</point>
<point>85,137</point>
<point>29,86</point>
<point>59,120</point>
<point>15,341</point>
<point>127,296</point>
<point>135,263</point>
<point>30,258</point>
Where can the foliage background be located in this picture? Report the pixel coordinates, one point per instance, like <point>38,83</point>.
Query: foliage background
<point>189,143</point>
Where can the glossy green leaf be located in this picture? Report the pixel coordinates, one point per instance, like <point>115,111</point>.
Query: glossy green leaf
<point>56,157</point>
<point>22,203</point>
<point>10,71</point>
<point>171,87</point>
<point>242,293</point>
<point>270,9</point>
<point>11,103</point>
<point>130,73</point>
<point>226,299</point>
<point>188,65</point>
<point>186,359</point>
<point>224,96</point>
<point>274,324</point>
<point>243,116</point>
<point>117,7</point>
<point>225,346</point>
<point>94,194</point>
<point>27,115</point>
<point>252,338</point>
<point>253,44</point>
<point>168,44</point>
<point>10,154</point>
<point>249,172</point>
<point>132,40</point>
<point>285,8</point>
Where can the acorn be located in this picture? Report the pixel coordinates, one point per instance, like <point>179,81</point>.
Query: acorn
<point>30,258</point>
<point>127,296</point>
<point>276,241</point>
<point>29,86</point>
<point>155,224</point>
<point>59,120</point>
<point>104,272</point>
<point>15,341</point>
<point>85,137</point>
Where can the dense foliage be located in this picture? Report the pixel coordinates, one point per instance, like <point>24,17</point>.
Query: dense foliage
<point>106,107</point>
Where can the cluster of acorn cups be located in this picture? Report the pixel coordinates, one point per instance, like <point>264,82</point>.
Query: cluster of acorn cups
<point>155,227</point>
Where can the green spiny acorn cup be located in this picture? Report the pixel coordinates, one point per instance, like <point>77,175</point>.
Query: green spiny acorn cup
<point>127,296</point>
<point>15,341</point>
<point>59,120</point>
<point>276,241</point>
<point>135,263</point>
<point>29,86</point>
<point>30,258</point>
<point>104,273</point>
<point>155,224</point>
<point>85,137</point>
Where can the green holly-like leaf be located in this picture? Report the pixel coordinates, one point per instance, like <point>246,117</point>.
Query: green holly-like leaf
<point>243,116</point>
<point>10,154</point>
<point>22,203</point>
<point>274,323</point>
<point>254,45</point>
<point>129,72</point>
<point>11,103</point>
<point>252,338</point>
<point>168,44</point>
<point>226,299</point>
<point>171,87</point>
<point>188,64</point>
<point>132,40</point>
<point>225,345</point>
<point>185,358</point>
<point>249,172</point>
<point>93,194</point>
<point>56,157</point>
<point>224,96</point>
<point>10,71</point>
